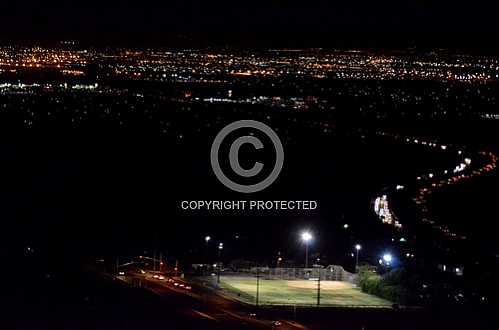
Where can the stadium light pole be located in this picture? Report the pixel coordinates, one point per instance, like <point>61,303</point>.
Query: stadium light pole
<point>257,286</point>
<point>319,290</point>
<point>306,237</point>
<point>357,248</point>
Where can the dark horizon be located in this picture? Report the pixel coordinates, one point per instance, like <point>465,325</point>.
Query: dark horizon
<point>316,23</point>
<point>466,43</point>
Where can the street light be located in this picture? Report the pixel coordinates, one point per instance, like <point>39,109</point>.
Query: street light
<point>306,237</point>
<point>387,258</point>
<point>357,249</point>
<point>220,248</point>
<point>206,253</point>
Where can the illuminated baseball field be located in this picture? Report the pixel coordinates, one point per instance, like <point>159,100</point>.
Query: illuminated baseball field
<point>299,292</point>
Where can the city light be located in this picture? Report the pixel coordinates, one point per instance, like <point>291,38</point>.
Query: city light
<point>109,84</point>
<point>306,236</point>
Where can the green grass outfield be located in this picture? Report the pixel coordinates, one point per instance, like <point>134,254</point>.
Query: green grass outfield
<point>299,292</point>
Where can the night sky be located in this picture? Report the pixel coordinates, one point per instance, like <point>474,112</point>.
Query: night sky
<point>307,23</point>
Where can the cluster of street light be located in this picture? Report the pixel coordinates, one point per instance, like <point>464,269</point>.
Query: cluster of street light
<point>461,172</point>
<point>484,162</point>
<point>204,66</point>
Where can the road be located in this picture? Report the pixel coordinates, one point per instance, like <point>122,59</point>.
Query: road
<point>216,311</point>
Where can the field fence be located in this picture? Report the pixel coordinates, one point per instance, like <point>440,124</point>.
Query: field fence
<point>330,273</point>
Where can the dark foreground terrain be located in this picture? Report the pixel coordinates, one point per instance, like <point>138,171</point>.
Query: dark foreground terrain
<point>89,300</point>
